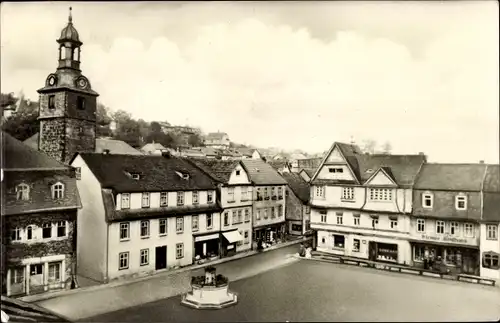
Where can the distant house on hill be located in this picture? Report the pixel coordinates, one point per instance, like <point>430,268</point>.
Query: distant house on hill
<point>281,166</point>
<point>249,153</point>
<point>217,140</point>
<point>102,145</point>
<point>154,148</point>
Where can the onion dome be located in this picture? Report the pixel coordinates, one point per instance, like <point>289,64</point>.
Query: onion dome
<point>69,33</point>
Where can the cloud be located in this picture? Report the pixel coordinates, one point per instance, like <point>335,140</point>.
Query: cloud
<point>272,83</point>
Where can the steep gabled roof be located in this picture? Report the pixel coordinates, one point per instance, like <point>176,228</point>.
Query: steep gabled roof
<point>491,195</point>
<point>17,155</point>
<point>157,173</point>
<point>219,170</point>
<point>298,185</point>
<point>19,311</point>
<point>153,146</point>
<point>261,173</point>
<point>349,152</point>
<point>456,177</point>
<point>492,179</point>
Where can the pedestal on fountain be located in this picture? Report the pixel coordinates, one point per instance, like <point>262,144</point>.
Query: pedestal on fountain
<point>209,292</point>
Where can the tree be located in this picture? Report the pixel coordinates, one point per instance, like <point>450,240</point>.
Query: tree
<point>24,122</point>
<point>121,116</point>
<point>103,115</point>
<point>387,148</point>
<point>6,100</point>
<point>130,132</point>
<point>195,141</point>
<point>369,146</point>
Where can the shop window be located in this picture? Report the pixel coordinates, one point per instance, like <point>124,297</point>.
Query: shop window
<point>490,260</point>
<point>338,241</point>
<point>124,231</point>
<point>492,232</point>
<point>418,253</point>
<point>440,227</point>
<point>387,252</point>
<point>297,227</point>
<point>356,245</point>
<point>340,218</point>
<point>420,225</point>
<point>453,257</point>
<point>145,229</point>
<point>55,272</point>
<point>123,260</point>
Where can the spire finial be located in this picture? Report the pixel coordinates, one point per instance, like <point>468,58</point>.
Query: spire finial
<point>70,18</point>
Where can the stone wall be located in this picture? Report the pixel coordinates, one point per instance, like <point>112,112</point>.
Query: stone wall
<point>80,137</point>
<point>52,137</point>
<point>72,110</point>
<point>60,105</point>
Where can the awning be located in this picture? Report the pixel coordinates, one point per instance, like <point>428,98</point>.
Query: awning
<point>232,236</point>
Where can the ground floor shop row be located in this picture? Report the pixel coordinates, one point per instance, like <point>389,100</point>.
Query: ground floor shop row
<point>439,257</point>
<point>270,233</point>
<point>38,275</point>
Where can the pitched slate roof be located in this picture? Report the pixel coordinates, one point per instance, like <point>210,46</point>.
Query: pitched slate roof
<point>101,144</point>
<point>298,185</point>
<point>401,168</point>
<point>246,151</point>
<point>491,195</point>
<point>17,155</point>
<point>19,311</point>
<point>153,146</point>
<point>492,179</point>
<point>456,177</point>
<point>209,151</point>
<point>277,164</point>
<point>219,170</point>
<point>261,173</point>
<point>157,173</point>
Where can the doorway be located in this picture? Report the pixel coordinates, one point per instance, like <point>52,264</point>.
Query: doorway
<point>161,257</point>
<point>372,251</point>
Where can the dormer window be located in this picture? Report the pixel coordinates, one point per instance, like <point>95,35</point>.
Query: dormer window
<point>135,176</point>
<point>22,192</point>
<point>183,175</point>
<point>57,191</point>
<point>461,202</point>
<point>369,171</point>
<point>427,200</point>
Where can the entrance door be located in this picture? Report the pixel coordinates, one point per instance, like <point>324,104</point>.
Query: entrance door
<point>161,257</point>
<point>372,251</point>
<point>36,278</point>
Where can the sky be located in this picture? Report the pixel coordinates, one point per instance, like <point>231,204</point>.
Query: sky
<point>295,75</point>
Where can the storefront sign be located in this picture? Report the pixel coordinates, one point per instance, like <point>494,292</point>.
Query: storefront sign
<point>447,238</point>
<point>207,237</point>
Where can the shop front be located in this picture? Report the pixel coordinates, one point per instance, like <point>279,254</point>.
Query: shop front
<point>270,234</point>
<point>452,259</point>
<point>385,252</point>
<point>206,247</point>
<point>230,241</point>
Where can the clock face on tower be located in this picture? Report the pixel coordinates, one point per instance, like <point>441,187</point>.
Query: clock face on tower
<point>82,83</point>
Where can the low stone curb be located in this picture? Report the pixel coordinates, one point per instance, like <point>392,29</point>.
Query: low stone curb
<point>122,282</point>
<point>411,271</point>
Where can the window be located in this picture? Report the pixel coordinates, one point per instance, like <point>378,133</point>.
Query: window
<point>338,241</point>
<point>461,202</point>
<point>357,219</point>
<point>356,245</point>
<point>22,192</point>
<point>209,220</point>
<point>280,193</point>
<point>61,228</point>
<point>308,209</point>
<point>374,222</point>
<point>194,223</point>
<point>125,200</point>
<point>15,234</point>
<point>259,195</point>
<point>47,230</point>
<point>235,219</point>
<point>17,275</point>
<point>179,224</point>
<point>297,227</point>
<point>145,229</point>
<point>239,243</point>
<point>52,102</point>
<point>226,219</point>
<point>164,199</point>
<point>247,215</point>
<point>420,225</point>
<point>273,213</point>
<point>54,272</point>
<point>123,260</point>
<point>124,231</point>
<point>323,216</point>
<point>238,172</point>
<point>240,216</point>
<point>265,214</point>
<point>320,191</point>
<point>280,211</point>
<point>469,230</point>
<point>195,197</point>
<point>230,194</point>
<point>210,197</point>
<point>491,232</point>
<point>58,191</point>
<point>490,260</point>
<point>266,194</point>
<point>144,257</point>
<point>145,199</point>
<point>340,218</point>
<point>29,232</point>
<point>394,223</point>
<point>162,229</point>
<point>380,194</point>
<point>323,241</point>
<point>179,250</point>
<point>80,103</point>
<point>180,198</point>
<point>348,193</point>
<point>454,228</point>
<point>78,173</point>
<point>273,191</point>
<point>440,227</point>
<point>336,170</point>
<point>427,200</point>
<point>247,237</point>
<point>419,253</point>
<point>244,193</point>
<point>257,216</point>
<point>36,269</point>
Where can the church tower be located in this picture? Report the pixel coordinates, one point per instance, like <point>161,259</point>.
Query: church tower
<point>68,104</point>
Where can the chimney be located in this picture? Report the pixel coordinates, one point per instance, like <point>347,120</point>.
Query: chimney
<point>481,161</point>
<point>105,151</point>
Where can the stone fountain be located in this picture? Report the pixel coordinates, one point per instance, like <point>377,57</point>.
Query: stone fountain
<point>209,292</point>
